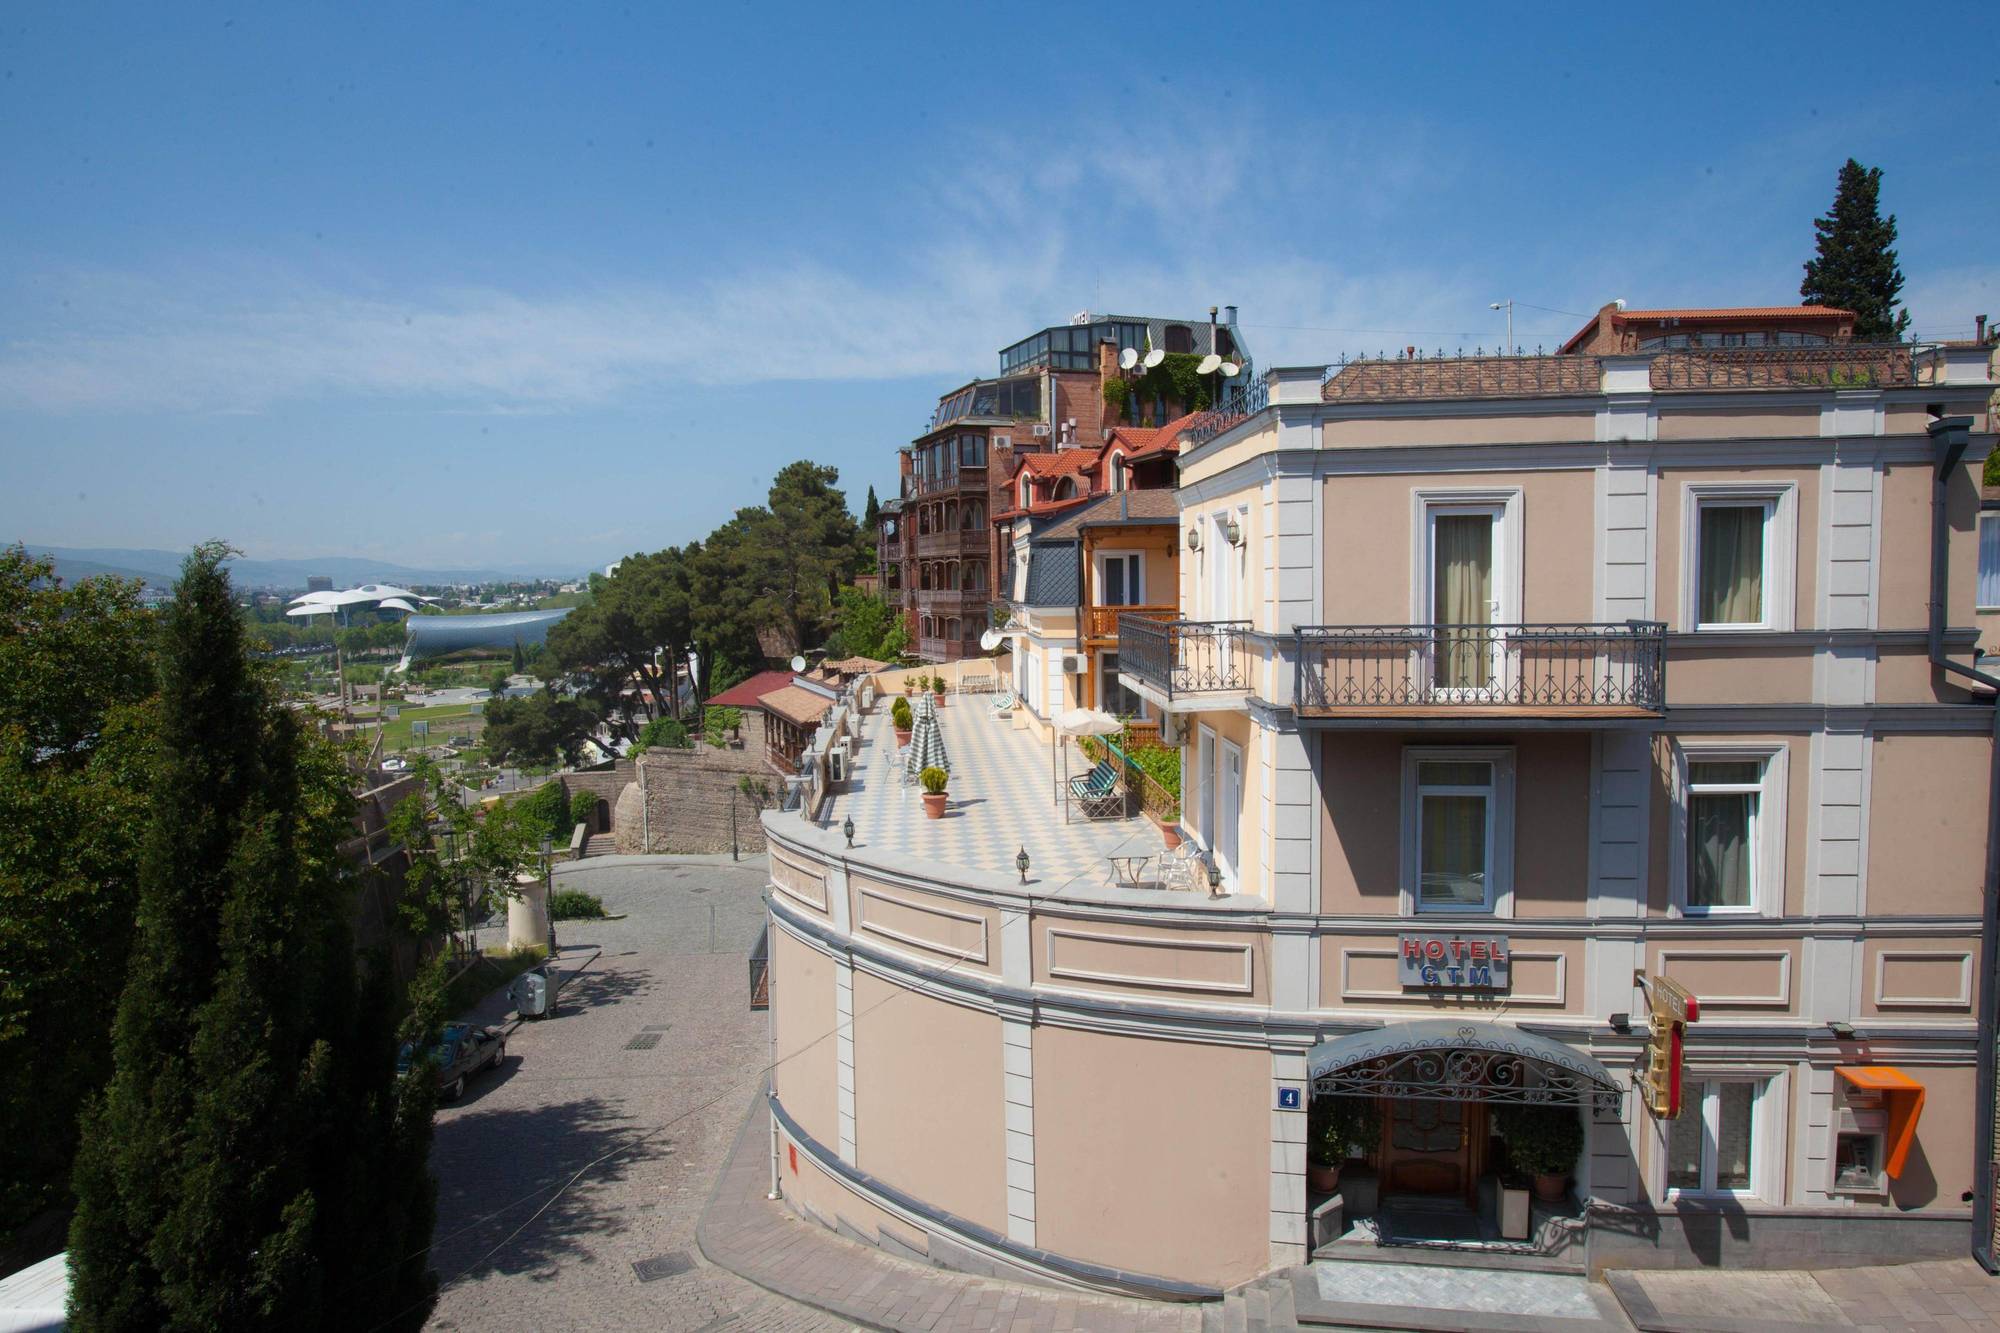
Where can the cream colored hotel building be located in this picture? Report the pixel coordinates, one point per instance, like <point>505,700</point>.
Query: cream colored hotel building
<point>1620,661</point>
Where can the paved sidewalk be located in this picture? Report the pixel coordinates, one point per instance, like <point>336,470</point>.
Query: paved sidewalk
<point>767,1243</point>
<point>1947,1295</point>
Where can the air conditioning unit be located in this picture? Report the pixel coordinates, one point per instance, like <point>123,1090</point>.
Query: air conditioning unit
<point>1072,664</point>
<point>1040,430</point>
<point>836,761</point>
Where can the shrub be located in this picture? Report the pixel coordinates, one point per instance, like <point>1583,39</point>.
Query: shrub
<point>575,905</point>
<point>933,779</point>
<point>900,714</point>
<point>719,720</point>
<point>1336,1126</point>
<point>582,808</point>
<point>1541,1140</point>
<point>542,814</point>
<point>665,732</point>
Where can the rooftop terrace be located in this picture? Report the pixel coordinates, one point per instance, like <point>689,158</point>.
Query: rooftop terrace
<point>1003,798</point>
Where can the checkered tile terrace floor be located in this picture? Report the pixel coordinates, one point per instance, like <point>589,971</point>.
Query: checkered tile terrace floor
<point>1002,799</point>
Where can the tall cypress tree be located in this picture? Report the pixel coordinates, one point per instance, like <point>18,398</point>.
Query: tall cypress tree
<point>1855,268</point>
<point>872,514</point>
<point>254,1163</point>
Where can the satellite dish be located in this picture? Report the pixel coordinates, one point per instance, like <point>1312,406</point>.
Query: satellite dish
<point>1208,364</point>
<point>991,639</point>
<point>1230,370</point>
<point>1128,358</point>
<point>798,664</point>
<point>1154,357</point>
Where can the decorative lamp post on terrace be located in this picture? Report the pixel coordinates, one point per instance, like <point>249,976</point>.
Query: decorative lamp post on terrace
<point>1021,863</point>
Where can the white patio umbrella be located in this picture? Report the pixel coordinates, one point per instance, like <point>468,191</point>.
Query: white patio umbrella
<point>926,740</point>
<point>1078,722</point>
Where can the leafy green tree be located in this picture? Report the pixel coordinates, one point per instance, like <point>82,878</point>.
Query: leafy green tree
<point>1855,265</point>
<point>666,733</point>
<point>498,685</point>
<point>868,627</point>
<point>76,752</point>
<point>638,626</point>
<point>539,729</point>
<point>254,1161</point>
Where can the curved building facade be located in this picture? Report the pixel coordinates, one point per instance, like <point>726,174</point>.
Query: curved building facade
<point>436,636</point>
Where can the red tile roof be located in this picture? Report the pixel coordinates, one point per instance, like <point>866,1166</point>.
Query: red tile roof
<point>1146,441</point>
<point>747,694</point>
<point>1063,462</point>
<point>1742,312</point>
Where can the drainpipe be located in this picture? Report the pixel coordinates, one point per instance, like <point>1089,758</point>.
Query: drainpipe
<point>1082,637</point>
<point>1950,437</point>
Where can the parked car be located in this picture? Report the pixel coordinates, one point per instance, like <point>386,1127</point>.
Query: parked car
<point>460,1051</point>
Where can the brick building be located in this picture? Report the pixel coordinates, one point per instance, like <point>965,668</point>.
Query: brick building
<point>936,542</point>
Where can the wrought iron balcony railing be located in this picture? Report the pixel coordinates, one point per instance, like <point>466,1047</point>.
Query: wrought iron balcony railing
<point>1580,670</point>
<point>1180,657</point>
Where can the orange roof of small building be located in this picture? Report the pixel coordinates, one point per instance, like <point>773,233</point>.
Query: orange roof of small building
<point>1041,507</point>
<point>749,693</point>
<point>1705,315</point>
<point>796,704</point>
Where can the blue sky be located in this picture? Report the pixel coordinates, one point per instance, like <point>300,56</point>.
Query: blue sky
<point>538,284</point>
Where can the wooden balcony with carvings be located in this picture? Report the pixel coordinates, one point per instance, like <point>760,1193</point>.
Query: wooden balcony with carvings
<point>1100,623</point>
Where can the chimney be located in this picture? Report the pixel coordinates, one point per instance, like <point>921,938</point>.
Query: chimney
<point>1229,315</point>
<point>1979,329</point>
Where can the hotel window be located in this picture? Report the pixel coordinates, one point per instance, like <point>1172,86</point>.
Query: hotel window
<point>1738,571</point>
<point>1989,561</point>
<point>1729,843</point>
<point>1120,578</point>
<point>1730,575</point>
<point>1457,834</point>
<point>1716,1145</point>
<point>1112,694</point>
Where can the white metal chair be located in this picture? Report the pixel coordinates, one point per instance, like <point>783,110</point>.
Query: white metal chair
<point>1183,868</point>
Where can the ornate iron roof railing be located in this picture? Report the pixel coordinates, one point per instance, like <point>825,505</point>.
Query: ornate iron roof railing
<point>1184,656</point>
<point>1834,366</point>
<point>1237,406</point>
<point>1415,375</point>
<point>1537,666</point>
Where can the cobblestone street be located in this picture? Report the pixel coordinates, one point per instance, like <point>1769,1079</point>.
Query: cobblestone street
<point>513,1251</point>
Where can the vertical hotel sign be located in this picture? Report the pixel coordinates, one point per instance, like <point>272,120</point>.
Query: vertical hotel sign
<point>1454,962</point>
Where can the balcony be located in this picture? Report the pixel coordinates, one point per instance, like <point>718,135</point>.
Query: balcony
<point>1176,659</point>
<point>1102,622</point>
<point>953,599</point>
<point>1584,672</point>
<point>965,479</point>
<point>952,541</point>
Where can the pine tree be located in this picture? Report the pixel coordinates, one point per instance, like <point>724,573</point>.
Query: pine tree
<point>255,1162</point>
<point>1855,268</point>
<point>872,512</point>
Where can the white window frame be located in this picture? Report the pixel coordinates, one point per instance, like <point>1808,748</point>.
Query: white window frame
<point>1230,819</point>
<point>1027,489</point>
<point>1987,517</point>
<point>1767,870</point>
<point>1204,787</point>
<point>1114,480</point>
<point>1505,501</point>
<point>1767,1133</point>
<point>1781,551</point>
<point>1224,572</point>
<point>1135,569</point>
<point>1142,713</point>
<point>1499,828</point>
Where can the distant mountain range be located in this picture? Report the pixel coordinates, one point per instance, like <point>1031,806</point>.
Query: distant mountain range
<point>160,568</point>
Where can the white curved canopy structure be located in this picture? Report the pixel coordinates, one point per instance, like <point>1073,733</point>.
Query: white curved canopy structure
<point>380,596</point>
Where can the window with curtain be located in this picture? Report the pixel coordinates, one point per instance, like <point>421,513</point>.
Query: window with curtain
<point>1118,584</point>
<point>1711,1147</point>
<point>1989,560</point>
<point>1454,835</point>
<point>1462,599</point>
<point>1729,573</point>
<point>1723,796</point>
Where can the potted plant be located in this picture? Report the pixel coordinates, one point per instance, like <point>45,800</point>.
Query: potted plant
<point>937,688</point>
<point>1170,829</point>
<point>1543,1142</point>
<point>932,780</point>
<point>901,718</point>
<point>1335,1128</point>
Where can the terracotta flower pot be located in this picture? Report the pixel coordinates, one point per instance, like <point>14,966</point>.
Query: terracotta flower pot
<point>939,696</point>
<point>934,804</point>
<point>1170,834</point>
<point>1322,1179</point>
<point>902,737</point>
<point>1550,1189</point>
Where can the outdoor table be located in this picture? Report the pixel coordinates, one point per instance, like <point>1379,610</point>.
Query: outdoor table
<point>1129,871</point>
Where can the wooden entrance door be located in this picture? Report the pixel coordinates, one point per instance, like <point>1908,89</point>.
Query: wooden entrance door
<point>1427,1146</point>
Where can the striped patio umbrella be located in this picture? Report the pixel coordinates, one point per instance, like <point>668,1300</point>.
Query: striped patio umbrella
<point>926,740</point>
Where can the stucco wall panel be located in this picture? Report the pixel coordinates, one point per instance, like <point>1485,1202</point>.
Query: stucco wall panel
<point>802,1013</point>
<point>1362,971</point>
<point>1927,825</point>
<point>945,930</point>
<point>1682,421</point>
<point>1697,674</point>
<point>1115,1181</point>
<point>1513,428</point>
<point>1933,977</point>
<point>1226,966</point>
<point>1735,977</point>
<point>928,1110</point>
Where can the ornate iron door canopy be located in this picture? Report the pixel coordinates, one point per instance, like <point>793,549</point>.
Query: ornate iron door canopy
<point>1461,1062</point>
